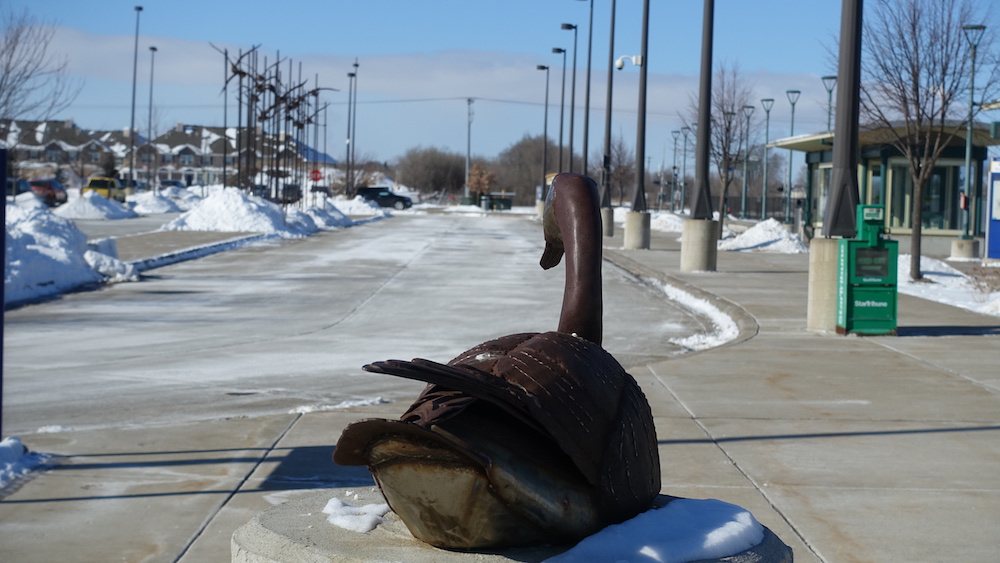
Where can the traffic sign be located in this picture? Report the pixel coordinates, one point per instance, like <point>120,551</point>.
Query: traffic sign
<point>315,175</point>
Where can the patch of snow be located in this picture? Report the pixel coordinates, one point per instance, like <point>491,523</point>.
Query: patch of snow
<point>684,530</point>
<point>358,207</point>
<point>341,405</point>
<point>355,518</point>
<point>724,328</point>
<point>16,461</point>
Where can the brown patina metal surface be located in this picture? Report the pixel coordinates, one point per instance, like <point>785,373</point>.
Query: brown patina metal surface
<point>528,438</point>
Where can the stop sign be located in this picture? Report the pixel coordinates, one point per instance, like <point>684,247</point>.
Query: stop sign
<point>315,175</point>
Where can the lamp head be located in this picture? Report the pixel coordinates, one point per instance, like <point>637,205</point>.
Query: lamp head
<point>152,49</point>
<point>768,103</point>
<point>748,111</point>
<point>829,82</point>
<point>793,95</point>
<point>557,50</point>
<point>568,26</point>
<point>542,67</point>
<point>973,33</point>
<point>675,134</point>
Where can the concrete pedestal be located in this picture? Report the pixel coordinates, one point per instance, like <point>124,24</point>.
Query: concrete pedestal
<point>608,221</point>
<point>821,304</point>
<point>699,245</point>
<point>964,248</point>
<point>298,531</point>
<point>637,230</point>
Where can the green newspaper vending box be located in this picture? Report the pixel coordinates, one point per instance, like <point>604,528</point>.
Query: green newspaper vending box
<point>866,277</point>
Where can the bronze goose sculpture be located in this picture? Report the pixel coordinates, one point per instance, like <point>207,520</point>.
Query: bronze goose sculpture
<point>529,438</point>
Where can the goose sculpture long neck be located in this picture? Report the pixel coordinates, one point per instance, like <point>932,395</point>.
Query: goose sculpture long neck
<point>572,224</point>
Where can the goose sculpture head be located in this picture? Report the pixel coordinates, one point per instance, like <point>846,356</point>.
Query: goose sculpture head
<point>528,438</point>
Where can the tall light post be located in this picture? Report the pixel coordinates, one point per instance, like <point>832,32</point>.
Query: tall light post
<point>829,82</point>
<point>545,131</point>
<point>767,103</point>
<point>586,95</point>
<point>149,122</point>
<point>685,131</point>
<point>973,33</point>
<point>131,130</point>
<point>673,191</point>
<point>562,103</point>
<point>747,111</point>
<point>572,95</point>
<point>607,215</point>
<point>468,147</point>
<point>793,96</point>
<point>354,123</point>
<point>347,144</point>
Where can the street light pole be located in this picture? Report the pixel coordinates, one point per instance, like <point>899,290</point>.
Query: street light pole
<point>606,162</point>
<point>747,111</point>
<point>545,131</point>
<point>639,197</point>
<point>562,104</point>
<point>149,122</point>
<point>131,130</point>
<point>347,149</point>
<point>829,82</point>
<point>767,103</point>
<point>586,96</point>
<point>673,192</point>
<point>793,96</point>
<point>973,33</point>
<point>684,157</point>
<point>572,95</point>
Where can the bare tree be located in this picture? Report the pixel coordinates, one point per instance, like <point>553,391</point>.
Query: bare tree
<point>730,92</point>
<point>915,73</point>
<point>518,168</point>
<point>432,170</point>
<point>34,83</point>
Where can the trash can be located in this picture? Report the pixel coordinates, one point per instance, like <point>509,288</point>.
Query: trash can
<point>484,202</point>
<point>866,277</point>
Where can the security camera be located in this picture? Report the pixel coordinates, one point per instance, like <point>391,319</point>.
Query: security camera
<point>620,63</point>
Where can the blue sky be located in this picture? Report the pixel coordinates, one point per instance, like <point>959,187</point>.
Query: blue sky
<point>419,61</point>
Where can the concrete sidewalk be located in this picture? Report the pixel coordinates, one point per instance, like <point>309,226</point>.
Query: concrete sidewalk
<point>848,448</point>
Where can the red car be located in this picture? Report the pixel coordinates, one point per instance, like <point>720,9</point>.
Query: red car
<point>51,191</point>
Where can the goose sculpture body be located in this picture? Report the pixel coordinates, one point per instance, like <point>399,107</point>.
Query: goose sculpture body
<point>529,438</point>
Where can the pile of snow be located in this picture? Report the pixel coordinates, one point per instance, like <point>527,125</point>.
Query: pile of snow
<point>329,216</point>
<point>234,211</point>
<point>766,236</point>
<point>666,222</point>
<point>683,530</point>
<point>45,255</point>
<point>91,205</point>
<point>183,198</point>
<point>358,206</point>
<point>945,284</point>
<point>151,203</point>
<point>16,460</point>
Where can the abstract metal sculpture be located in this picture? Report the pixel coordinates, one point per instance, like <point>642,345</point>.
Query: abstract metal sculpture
<point>529,438</point>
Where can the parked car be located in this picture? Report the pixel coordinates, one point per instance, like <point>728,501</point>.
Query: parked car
<point>107,187</point>
<point>322,190</point>
<point>17,186</point>
<point>50,190</point>
<point>385,198</point>
<point>172,184</point>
